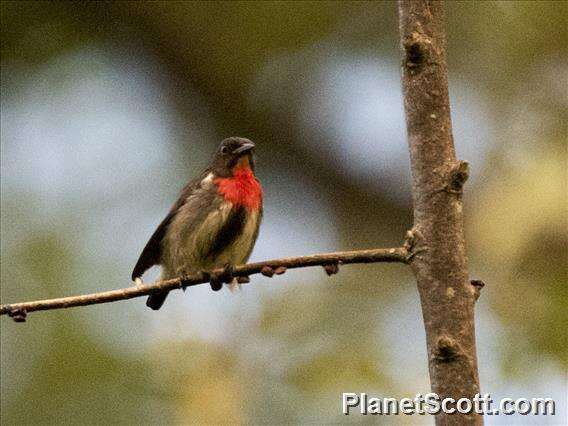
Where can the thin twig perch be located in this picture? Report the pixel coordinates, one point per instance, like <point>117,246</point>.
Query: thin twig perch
<point>329,261</point>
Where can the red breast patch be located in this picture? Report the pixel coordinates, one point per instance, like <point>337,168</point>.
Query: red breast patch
<point>242,189</point>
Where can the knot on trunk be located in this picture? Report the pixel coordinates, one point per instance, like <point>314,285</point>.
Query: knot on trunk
<point>447,349</point>
<point>418,49</point>
<point>477,286</point>
<point>414,243</point>
<point>457,177</point>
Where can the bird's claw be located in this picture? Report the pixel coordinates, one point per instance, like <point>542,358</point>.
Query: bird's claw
<point>228,274</point>
<point>215,283</point>
<point>243,280</point>
<point>217,280</point>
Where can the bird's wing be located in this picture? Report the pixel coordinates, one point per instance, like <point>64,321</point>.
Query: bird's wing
<point>152,251</point>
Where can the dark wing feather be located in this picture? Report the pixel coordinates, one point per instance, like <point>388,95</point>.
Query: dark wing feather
<point>152,252</point>
<point>229,232</point>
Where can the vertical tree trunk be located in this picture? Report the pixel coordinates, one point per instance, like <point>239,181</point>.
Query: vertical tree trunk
<point>437,239</point>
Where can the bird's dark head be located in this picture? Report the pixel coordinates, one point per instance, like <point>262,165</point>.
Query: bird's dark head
<point>233,153</point>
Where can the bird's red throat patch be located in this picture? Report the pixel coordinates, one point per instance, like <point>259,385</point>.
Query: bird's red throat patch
<point>241,189</point>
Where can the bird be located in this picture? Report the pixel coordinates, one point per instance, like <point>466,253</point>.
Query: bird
<point>213,224</point>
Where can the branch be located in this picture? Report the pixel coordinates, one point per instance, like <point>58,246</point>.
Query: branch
<point>329,261</point>
<point>439,262</point>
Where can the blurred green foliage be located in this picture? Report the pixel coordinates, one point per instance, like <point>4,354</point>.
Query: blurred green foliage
<point>287,360</point>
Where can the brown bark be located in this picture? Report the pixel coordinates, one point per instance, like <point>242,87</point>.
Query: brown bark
<point>437,239</point>
<point>329,261</point>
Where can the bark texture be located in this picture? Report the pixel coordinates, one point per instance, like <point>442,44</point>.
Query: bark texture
<point>437,239</point>
<point>329,261</point>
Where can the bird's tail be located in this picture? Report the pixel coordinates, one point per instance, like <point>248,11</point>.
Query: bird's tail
<point>155,301</point>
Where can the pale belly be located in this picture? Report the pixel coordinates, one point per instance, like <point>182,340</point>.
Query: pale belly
<point>185,250</point>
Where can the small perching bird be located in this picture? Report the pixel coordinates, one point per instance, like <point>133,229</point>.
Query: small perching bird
<point>213,224</point>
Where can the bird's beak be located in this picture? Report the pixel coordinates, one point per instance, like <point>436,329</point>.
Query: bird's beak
<point>247,146</point>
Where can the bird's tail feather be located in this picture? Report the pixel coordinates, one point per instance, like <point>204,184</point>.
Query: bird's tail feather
<point>155,301</point>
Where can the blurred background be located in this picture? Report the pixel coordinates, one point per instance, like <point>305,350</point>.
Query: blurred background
<point>108,108</point>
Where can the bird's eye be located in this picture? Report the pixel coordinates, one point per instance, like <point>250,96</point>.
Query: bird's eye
<point>224,149</point>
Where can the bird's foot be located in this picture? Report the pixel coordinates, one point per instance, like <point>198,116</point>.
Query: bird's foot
<point>215,283</point>
<point>227,275</point>
<point>138,282</point>
<point>217,280</point>
<point>243,280</point>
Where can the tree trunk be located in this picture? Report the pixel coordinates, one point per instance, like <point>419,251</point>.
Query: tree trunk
<point>437,239</point>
